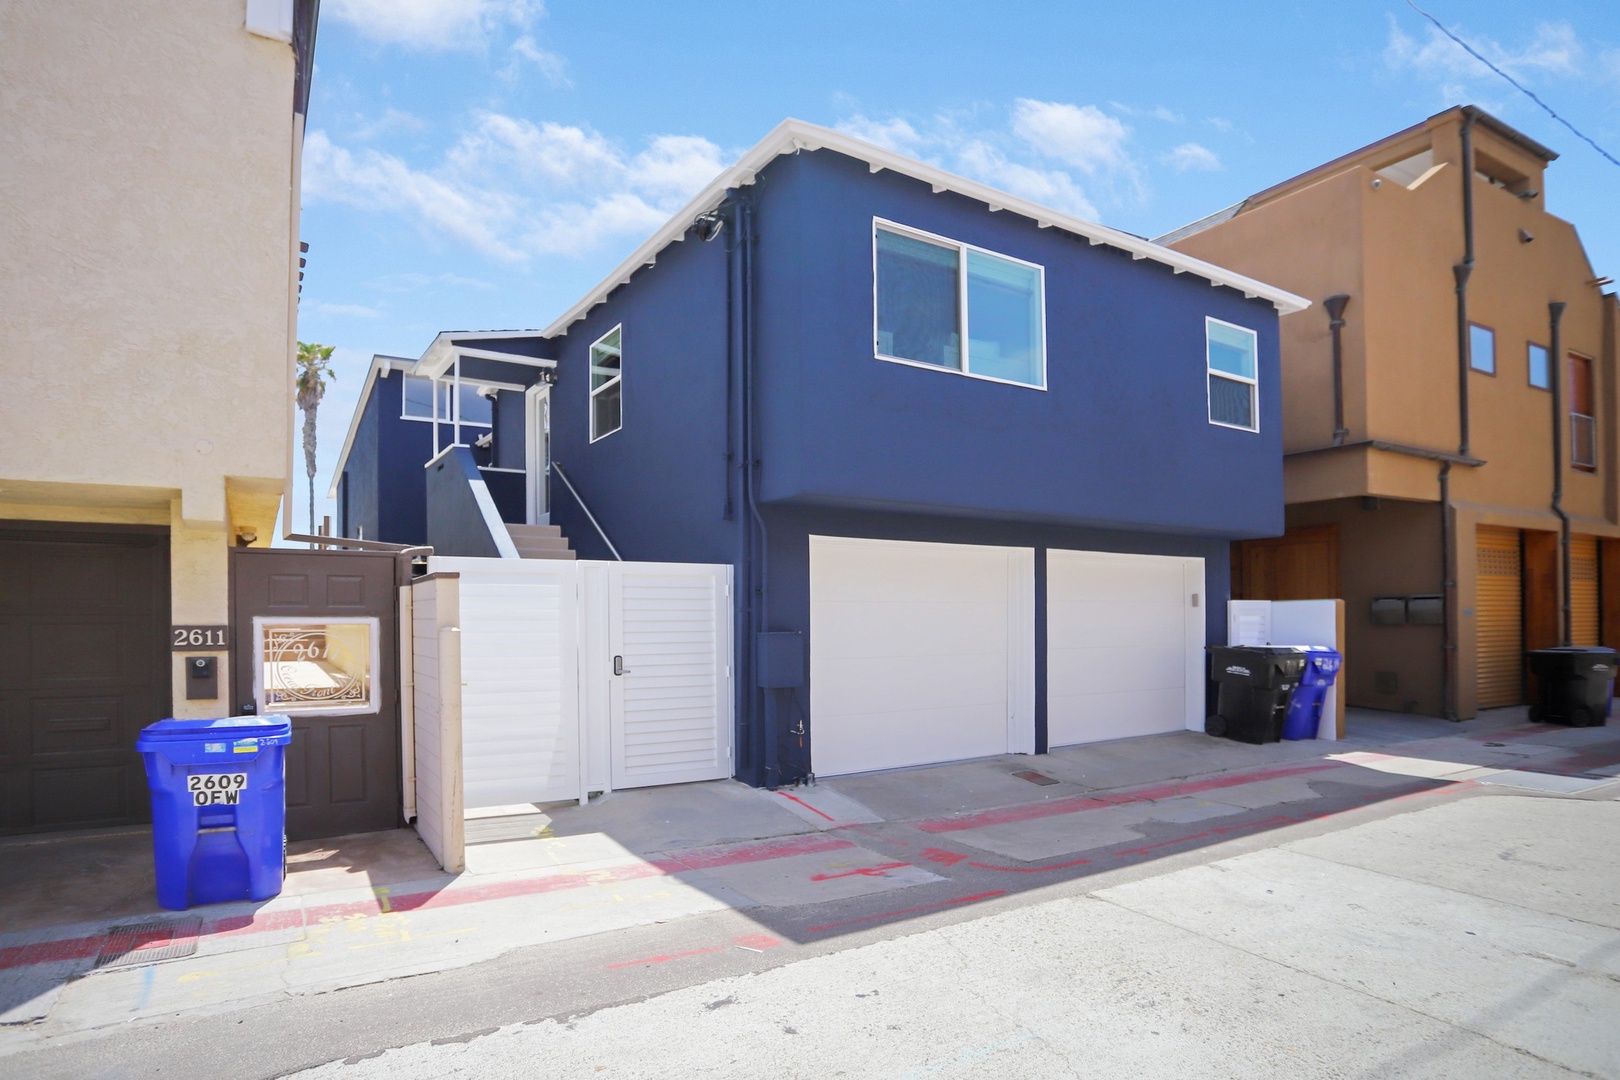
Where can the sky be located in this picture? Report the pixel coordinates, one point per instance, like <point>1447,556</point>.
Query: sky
<point>480,164</point>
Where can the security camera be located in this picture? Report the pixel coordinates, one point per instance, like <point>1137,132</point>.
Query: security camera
<point>708,225</point>
<point>1377,183</point>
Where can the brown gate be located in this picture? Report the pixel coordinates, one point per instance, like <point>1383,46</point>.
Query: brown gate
<point>317,639</point>
<point>1499,601</point>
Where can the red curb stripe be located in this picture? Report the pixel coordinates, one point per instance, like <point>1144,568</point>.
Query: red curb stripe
<point>1075,804</point>
<point>807,806</point>
<point>667,957</point>
<point>383,903</point>
<point>1030,869</point>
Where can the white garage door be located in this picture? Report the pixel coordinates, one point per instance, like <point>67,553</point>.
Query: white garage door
<point>919,653</point>
<point>1125,645</point>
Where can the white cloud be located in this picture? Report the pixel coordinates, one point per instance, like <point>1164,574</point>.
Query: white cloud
<point>1191,155</point>
<point>1049,187</point>
<point>1220,124</point>
<point>553,67</point>
<point>1554,49</point>
<point>1079,135</point>
<point>434,25</point>
<point>511,188</point>
<point>392,122</point>
<point>897,135</point>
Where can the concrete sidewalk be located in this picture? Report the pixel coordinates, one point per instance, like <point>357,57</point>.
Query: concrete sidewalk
<point>806,864</point>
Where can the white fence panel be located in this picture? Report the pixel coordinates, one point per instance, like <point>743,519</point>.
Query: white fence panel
<point>520,717</point>
<point>436,718</point>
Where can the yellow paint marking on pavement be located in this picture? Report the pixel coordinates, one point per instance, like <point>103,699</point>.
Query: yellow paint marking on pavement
<point>418,937</point>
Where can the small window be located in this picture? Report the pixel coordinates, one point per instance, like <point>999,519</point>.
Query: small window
<point>1482,348</point>
<point>1540,369</point>
<point>1582,414</point>
<point>418,398</point>
<point>1233,375</point>
<point>607,384</point>
<point>321,666</point>
<point>932,295</point>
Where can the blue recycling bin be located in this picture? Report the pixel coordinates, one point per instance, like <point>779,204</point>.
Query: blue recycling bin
<point>219,808</point>
<point>1305,706</point>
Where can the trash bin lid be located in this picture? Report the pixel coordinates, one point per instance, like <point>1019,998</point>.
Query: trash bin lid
<point>225,727</point>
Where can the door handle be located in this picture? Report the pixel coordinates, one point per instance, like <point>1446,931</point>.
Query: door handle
<point>618,665</point>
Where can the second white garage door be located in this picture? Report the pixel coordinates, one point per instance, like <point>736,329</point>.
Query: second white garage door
<point>1125,645</point>
<point>919,653</point>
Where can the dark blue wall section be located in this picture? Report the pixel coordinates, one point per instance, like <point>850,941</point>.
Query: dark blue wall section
<point>1120,437</point>
<point>658,484</point>
<point>403,448</point>
<point>361,483</point>
<point>455,523</point>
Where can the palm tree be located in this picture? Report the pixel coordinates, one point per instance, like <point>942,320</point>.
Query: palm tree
<point>314,372</point>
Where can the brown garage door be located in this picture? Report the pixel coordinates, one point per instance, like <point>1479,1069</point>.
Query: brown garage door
<point>316,638</point>
<point>1585,616</point>
<point>84,665</point>
<point>1499,607</point>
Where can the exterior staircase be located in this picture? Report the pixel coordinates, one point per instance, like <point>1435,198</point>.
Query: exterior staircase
<point>540,542</point>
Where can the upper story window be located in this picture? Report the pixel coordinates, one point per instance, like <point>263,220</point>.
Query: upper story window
<point>934,294</point>
<point>1540,368</point>
<point>607,383</point>
<point>1482,348</point>
<point>419,395</point>
<point>436,399</point>
<point>476,408</point>
<point>1234,383</point>
<point>1582,414</point>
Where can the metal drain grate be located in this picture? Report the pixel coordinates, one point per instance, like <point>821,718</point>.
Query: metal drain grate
<point>149,942</point>
<point>1037,778</point>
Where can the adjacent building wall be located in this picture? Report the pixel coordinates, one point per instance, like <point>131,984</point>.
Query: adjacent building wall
<point>147,286</point>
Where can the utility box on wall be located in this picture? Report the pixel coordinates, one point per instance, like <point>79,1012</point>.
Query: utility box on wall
<point>1389,611</point>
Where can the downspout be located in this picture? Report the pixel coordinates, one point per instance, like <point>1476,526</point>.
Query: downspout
<point>1462,272</point>
<point>1335,306</point>
<point>1555,313</point>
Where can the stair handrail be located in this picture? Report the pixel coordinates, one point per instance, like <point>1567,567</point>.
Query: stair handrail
<point>572,490</point>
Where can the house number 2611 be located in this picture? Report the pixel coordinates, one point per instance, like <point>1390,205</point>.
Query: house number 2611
<point>199,637</point>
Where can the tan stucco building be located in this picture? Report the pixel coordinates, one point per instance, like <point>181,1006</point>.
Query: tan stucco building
<point>149,215</point>
<point>1472,402</point>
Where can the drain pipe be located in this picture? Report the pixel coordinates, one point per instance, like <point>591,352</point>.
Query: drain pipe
<point>1462,272</point>
<point>1448,585</point>
<point>1335,306</point>
<point>1555,315</point>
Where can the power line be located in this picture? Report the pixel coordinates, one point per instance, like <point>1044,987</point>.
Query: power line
<point>1516,84</point>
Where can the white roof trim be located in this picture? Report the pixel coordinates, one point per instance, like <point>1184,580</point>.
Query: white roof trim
<point>793,135</point>
<point>380,365</point>
<point>437,356</point>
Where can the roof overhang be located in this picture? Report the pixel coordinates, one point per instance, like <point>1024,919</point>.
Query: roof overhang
<point>792,136</point>
<point>440,356</point>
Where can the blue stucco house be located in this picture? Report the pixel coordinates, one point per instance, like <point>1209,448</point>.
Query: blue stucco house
<point>976,463</point>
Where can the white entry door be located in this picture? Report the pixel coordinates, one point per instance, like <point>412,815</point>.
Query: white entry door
<point>537,453</point>
<point>919,653</point>
<point>1124,645</point>
<point>669,657</point>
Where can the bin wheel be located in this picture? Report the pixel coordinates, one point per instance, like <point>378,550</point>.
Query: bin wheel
<point>1215,725</point>
<point>1581,716</point>
<point>1537,716</point>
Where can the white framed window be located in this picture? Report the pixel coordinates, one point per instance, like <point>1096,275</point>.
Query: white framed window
<point>438,400</point>
<point>931,294</point>
<point>1232,358</point>
<point>607,383</point>
<point>315,665</point>
<point>419,395</point>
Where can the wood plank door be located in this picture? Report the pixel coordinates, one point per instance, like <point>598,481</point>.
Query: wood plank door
<point>317,640</point>
<point>1585,592</point>
<point>1302,564</point>
<point>1499,617</point>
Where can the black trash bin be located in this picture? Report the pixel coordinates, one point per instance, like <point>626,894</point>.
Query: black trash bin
<point>1574,685</point>
<point>1256,682</point>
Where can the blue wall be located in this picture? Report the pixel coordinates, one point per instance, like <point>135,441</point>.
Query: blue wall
<point>658,484</point>
<point>1121,436</point>
<point>387,489</point>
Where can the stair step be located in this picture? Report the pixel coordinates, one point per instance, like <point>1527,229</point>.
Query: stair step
<point>549,543</point>
<point>536,531</point>
<point>561,553</point>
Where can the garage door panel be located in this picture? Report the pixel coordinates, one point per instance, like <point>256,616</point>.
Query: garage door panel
<point>1110,578</point>
<point>1132,668</point>
<point>891,739</point>
<point>1113,624</point>
<point>1124,645</point>
<point>909,647</point>
<point>905,684</point>
<point>1083,718</point>
<point>857,571</point>
<point>919,629</point>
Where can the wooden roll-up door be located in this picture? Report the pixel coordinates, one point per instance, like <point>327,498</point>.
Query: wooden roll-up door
<point>1584,591</point>
<point>1498,606</point>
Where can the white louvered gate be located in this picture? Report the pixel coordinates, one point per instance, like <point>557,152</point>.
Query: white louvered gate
<point>669,700</point>
<point>547,715</point>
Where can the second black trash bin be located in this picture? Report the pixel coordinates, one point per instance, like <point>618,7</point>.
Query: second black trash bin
<point>1256,682</point>
<point>1574,685</point>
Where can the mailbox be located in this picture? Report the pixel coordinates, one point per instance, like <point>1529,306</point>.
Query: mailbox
<point>202,678</point>
<point>1389,611</point>
<point>1426,610</point>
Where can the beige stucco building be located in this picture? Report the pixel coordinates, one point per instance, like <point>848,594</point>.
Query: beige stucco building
<point>149,162</point>
<point>1471,403</point>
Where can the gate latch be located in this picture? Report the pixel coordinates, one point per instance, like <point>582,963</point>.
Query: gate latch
<point>618,665</point>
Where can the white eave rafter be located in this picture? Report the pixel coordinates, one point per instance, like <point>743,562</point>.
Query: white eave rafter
<point>791,136</point>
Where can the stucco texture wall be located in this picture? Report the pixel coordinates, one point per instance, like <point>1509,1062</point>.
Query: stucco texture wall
<point>148,225</point>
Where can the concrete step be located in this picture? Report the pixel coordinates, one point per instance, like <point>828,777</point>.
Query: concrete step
<point>539,531</point>
<point>544,553</point>
<point>540,541</point>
